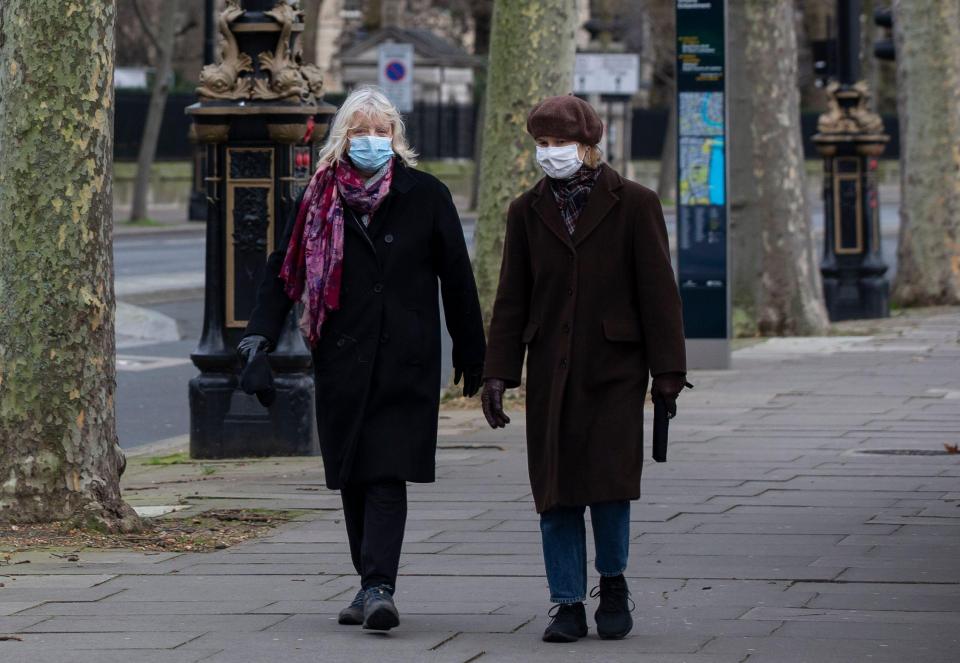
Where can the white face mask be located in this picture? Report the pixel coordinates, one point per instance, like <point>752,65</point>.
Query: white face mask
<point>559,162</point>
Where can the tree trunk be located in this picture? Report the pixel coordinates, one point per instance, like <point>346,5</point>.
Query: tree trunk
<point>158,102</point>
<point>774,276</point>
<point>531,57</point>
<point>482,12</point>
<point>927,40</point>
<point>59,457</point>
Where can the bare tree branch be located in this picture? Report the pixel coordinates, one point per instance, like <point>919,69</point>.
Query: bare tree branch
<point>188,25</point>
<point>146,24</point>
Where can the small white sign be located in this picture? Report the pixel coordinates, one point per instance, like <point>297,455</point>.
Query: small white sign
<point>606,73</point>
<point>396,74</point>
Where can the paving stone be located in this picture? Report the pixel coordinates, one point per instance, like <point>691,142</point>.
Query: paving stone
<point>922,589</point>
<point>13,607</point>
<point>127,608</point>
<point>34,581</point>
<point>888,601</point>
<point>38,595</point>
<point>412,622</point>
<point>18,623</point>
<point>39,654</point>
<point>884,632</point>
<point>332,607</point>
<point>218,588</point>
<point>917,575</point>
<point>890,616</point>
<point>335,641</point>
<point>166,623</point>
<point>819,649</point>
<point>97,641</point>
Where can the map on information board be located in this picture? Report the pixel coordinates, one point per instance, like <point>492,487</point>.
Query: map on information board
<point>702,170</point>
<point>701,113</point>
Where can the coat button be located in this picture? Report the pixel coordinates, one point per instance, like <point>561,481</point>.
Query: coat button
<point>341,342</point>
<point>384,338</point>
<point>563,363</point>
<point>565,328</point>
<point>570,292</point>
<point>388,238</point>
<point>378,288</point>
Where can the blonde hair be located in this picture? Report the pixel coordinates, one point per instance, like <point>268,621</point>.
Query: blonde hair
<point>592,156</point>
<point>373,103</point>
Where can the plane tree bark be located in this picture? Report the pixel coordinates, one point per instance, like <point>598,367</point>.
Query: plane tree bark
<point>59,457</point>
<point>927,41</point>
<point>776,287</point>
<point>531,57</point>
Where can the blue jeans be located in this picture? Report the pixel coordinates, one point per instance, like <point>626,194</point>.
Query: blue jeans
<point>565,546</point>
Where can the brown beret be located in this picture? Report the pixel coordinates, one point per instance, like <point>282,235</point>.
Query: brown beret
<point>566,117</point>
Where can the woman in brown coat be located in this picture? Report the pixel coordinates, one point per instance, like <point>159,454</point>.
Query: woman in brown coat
<point>587,292</point>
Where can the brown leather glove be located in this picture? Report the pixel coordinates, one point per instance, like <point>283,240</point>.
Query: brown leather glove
<point>492,401</point>
<point>666,387</point>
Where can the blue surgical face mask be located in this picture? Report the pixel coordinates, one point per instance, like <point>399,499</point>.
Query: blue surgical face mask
<point>369,153</point>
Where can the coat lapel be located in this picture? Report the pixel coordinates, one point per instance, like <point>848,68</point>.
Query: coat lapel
<point>599,203</point>
<point>546,208</point>
<point>402,182</point>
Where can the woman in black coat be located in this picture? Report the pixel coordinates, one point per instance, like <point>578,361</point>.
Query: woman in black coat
<point>364,253</point>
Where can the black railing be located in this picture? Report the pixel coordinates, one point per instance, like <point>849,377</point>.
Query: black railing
<point>436,132</point>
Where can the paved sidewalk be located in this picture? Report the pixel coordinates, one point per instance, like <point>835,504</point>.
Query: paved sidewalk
<point>770,535</point>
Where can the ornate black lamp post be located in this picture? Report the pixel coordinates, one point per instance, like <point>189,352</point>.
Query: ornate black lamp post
<point>850,138</point>
<point>256,106</point>
<point>197,210</point>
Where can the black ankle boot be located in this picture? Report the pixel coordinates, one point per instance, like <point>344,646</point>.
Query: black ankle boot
<point>569,623</point>
<point>613,615</point>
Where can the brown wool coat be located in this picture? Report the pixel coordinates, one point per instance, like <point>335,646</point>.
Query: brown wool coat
<point>595,313</point>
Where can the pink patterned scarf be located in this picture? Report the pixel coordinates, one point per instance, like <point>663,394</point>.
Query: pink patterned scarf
<point>314,260</point>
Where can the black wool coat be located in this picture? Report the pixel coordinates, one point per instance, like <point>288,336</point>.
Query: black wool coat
<point>595,313</point>
<point>377,364</point>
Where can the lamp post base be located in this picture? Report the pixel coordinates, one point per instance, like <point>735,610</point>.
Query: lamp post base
<point>225,422</point>
<point>856,297</point>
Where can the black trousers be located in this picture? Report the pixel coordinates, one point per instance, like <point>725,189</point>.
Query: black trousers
<point>375,515</point>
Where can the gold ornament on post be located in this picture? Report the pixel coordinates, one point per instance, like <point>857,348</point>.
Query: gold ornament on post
<point>848,112</point>
<point>286,80</point>
<point>222,80</point>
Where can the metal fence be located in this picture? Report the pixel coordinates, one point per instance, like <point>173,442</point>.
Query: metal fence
<point>435,131</point>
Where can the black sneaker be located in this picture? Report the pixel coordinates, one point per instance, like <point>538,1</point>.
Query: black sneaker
<point>379,612</point>
<point>613,615</point>
<point>569,623</point>
<point>352,615</point>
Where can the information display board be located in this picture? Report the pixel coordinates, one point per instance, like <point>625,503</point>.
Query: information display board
<point>702,169</point>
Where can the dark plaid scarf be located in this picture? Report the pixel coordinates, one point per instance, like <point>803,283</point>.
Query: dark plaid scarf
<point>571,194</point>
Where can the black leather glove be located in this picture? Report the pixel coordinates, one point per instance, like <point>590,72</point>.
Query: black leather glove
<point>250,346</point>
<point>666,387</point>
<point>471,379</point>
<point>492,401</point>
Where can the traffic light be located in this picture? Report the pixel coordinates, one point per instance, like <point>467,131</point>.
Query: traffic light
<point>883,48</point>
